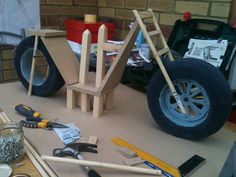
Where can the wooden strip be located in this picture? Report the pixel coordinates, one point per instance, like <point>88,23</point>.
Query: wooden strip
<point>64,58</point>
<point>102,164</point>
<point>84,69</point>
<point>46,33</point>
<point>71,99</point>
<point>163,51</point>
<point>153,33</point>
<point>111,47</point>
<point>33,65</point>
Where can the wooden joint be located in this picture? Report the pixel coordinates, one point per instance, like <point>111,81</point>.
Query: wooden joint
<point>111,47</point>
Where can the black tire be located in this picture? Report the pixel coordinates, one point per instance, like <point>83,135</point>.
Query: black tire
<point>208,100</point>
<point>23,59</point>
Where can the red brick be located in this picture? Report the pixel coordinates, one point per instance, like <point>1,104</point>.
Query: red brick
<point>166,30</point>
<point>42,1</point>
<point>56,20</point>
<point>60,2</point>
<point>43,20</point>
<point>86,2</point>
<point>136,4</point>
<point>115,3</point>
<point>162,5</point>
<point>73,10</point>
<point>49,10</point>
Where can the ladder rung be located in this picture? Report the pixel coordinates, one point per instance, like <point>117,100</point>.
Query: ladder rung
<point>162,51</point>
<point>153,33</point>
<point>145,14</point>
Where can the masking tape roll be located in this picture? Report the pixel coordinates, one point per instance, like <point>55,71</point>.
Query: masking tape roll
<point>90,18</point>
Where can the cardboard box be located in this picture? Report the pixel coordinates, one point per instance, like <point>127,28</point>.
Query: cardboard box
<point>75,29</point>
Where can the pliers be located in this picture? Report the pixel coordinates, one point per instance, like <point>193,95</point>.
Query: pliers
<point>34,118</point>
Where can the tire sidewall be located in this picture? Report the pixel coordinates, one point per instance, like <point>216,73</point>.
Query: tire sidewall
<point>210,79</point>
<point>54,80</point>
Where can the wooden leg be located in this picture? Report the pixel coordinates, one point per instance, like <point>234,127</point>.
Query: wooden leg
<point>97,106</point>
<point>85,102</point>
<point>109,99</point>
<point>71,99</point>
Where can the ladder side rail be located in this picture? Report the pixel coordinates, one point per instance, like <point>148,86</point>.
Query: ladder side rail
<point>161,35</point>
<point>158,59</point>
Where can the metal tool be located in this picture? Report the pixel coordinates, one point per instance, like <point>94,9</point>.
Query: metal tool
<point>34,118</point>
<point>166,169</point>
<point>74,151</point>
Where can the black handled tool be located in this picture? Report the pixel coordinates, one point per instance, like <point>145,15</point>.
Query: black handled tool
<point>26,111</point>
<point>34,118</point>
<point>74,151</point>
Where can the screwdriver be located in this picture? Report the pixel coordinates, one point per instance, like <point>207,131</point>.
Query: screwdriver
<point>27,111</point>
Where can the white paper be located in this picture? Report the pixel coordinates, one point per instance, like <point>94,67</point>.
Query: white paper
<point>70,134</point>
<point>210,51</point>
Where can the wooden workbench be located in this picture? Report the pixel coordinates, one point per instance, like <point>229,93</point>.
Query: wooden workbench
<point>129,119</point>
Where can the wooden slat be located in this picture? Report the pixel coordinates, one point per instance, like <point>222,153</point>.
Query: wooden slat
<point>113,76</point>
<point>63,57</point>
<point>46,33</point>
<point>111,47</point>
<point>84,69</point>
<point>163,51</point>
<point>153,33</point>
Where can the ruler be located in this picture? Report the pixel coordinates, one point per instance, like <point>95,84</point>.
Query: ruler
<point>167,170</point>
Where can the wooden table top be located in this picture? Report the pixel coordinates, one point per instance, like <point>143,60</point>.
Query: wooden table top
<point>29,168</point>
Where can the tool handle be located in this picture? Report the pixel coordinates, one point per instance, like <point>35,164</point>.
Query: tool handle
<point>29,124</point>
<point>61,152</point>
<point>36,119</point>
<point>93,173</point>
<point>26,111</point>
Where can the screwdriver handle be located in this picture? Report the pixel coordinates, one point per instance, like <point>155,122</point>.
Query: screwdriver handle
<point>29,124</point>
<point>26,111</point>
<point>36,119</point>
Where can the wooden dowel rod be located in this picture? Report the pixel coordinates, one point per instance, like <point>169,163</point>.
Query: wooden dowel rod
<point>104,165</point>
<point>33,66</point>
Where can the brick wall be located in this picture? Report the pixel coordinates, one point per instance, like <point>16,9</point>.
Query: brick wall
<point>55,12</point>
<point>166,11</point>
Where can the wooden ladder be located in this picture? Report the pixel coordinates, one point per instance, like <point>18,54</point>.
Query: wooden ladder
<point>162,48</point>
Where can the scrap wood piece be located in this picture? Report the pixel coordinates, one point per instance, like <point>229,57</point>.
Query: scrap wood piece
<point>102,164</point>
<point>134,161</point>
<point>33,155</point>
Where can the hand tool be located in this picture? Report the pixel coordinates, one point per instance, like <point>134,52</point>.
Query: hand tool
<point>166,169</point>
<point>34,118</point>
<point>27,111</point>
<point>74,150</point>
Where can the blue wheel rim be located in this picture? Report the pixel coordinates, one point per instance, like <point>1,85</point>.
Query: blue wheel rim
<point>194,99</point>
<point>25,64</point>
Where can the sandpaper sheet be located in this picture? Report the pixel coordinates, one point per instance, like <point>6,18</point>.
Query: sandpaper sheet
<point>130,119</point>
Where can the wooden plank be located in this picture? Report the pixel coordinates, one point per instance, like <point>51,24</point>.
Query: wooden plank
<point>64,58</point>
<point>114,74</point>
<point>71,99</point>
<point>163,51</point>
<point>84,69</point>
<point>100,71</point>
<point>153,33</point>
<point>111,47</point>
<point>109,100</point>
<point>46,33</point>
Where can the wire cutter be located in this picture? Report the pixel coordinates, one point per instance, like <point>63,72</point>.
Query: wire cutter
<point>34,118</point>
